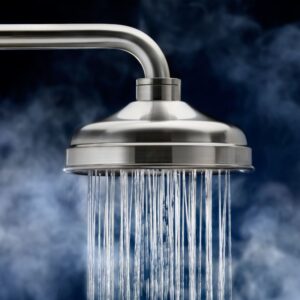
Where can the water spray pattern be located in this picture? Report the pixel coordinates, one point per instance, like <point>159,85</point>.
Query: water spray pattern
<point>159,235</point>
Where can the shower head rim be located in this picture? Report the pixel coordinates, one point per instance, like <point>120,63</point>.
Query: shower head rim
<point>103,168</point>
<point>171,156</point>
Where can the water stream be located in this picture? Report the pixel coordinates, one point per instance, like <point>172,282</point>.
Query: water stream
<point>159,234</point>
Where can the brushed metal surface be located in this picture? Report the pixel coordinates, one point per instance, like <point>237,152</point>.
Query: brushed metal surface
<point>80,36</point>
<point>158,134</point>
<point>158,89</point>
<point>158,122</point>
<point>186,156</point>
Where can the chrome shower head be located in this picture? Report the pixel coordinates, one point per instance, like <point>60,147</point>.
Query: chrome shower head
<point>158,131</point>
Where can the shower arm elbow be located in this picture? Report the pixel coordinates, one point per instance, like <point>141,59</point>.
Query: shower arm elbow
<point>87,36</point>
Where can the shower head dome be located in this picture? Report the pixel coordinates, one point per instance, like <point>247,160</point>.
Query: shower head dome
<point>158,134</point>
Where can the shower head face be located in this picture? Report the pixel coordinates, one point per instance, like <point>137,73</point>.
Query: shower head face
<point>158,134</point>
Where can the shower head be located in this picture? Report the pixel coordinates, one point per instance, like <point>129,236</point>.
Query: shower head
<point>156,131</point>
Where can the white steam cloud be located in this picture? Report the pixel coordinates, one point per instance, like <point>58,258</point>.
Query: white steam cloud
<point>42,210</point>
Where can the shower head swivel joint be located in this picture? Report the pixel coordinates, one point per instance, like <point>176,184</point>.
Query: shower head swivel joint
<point>156,131</point>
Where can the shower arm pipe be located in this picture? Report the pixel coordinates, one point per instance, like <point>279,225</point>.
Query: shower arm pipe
<point>87,36</point>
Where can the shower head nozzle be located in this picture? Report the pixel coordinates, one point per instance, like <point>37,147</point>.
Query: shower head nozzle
<point>161,133</point>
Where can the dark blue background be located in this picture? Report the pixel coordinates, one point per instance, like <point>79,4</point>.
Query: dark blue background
<point>239,62</point>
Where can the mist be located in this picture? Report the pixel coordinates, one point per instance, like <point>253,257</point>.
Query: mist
<point>42,209</point>
<point>233,69</point>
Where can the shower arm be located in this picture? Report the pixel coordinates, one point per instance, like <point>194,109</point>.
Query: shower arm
<point>87,36</point>
<point>157,84</point>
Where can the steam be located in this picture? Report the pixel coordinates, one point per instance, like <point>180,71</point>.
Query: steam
<point>42,210</point>
<point>269,264</point>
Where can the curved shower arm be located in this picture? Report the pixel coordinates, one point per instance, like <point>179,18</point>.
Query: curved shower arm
<point>83,36</point>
